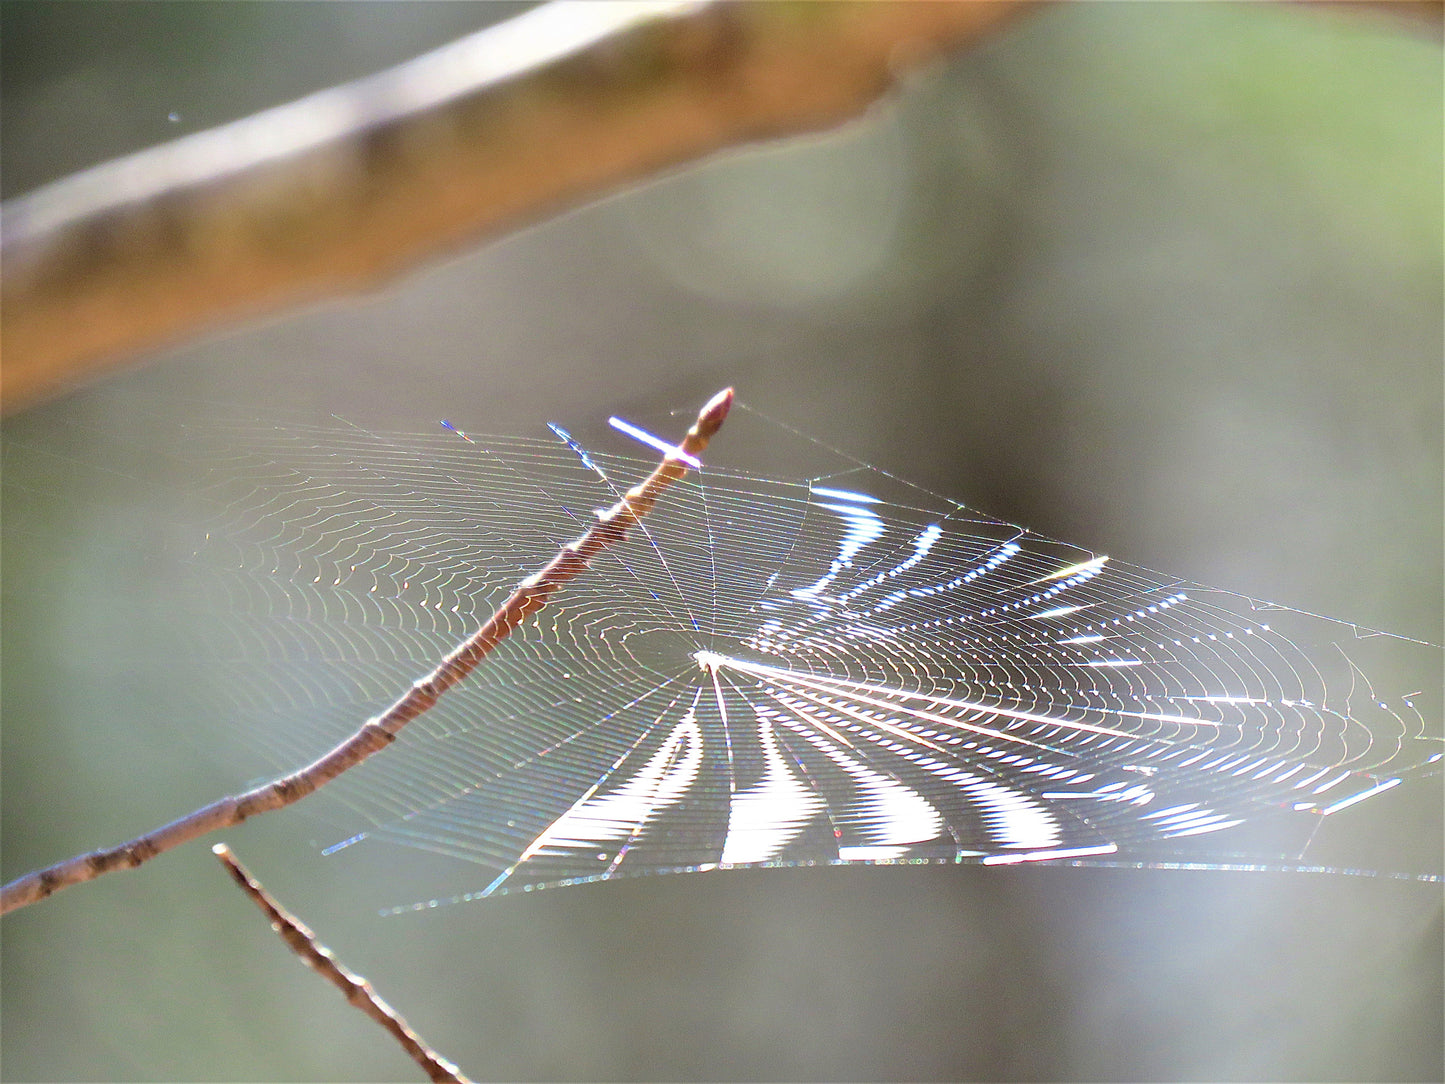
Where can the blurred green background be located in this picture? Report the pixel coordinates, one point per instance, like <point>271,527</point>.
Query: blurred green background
<point>1161,280</point>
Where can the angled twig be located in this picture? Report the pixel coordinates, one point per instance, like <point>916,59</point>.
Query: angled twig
<point>323,961</point>
<point>377,733</point>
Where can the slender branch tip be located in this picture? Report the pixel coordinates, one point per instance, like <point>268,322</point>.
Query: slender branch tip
<point>713,414</point>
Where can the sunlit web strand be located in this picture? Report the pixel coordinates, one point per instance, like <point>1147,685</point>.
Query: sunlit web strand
<point>859,531</point>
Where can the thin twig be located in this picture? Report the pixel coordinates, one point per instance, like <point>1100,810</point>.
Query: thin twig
<point>341,190</point>
<point>324,962</point>
<point>529,597</point>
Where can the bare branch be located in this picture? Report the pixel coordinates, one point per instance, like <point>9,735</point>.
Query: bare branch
<point>324,962</point>
<point>530,596</point>
<point>348,187</point>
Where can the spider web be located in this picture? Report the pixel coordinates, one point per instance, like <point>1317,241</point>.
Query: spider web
<point>835,667</point>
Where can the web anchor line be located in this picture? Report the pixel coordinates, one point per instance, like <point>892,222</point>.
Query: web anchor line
<point>531,595</point>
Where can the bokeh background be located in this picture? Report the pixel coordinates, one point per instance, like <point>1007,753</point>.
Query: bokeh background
<point>1161,280</point>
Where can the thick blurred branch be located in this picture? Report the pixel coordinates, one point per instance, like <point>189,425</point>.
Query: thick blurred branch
<point>341,190</point>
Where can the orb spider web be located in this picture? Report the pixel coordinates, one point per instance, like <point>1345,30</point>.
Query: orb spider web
<point>832,668</point>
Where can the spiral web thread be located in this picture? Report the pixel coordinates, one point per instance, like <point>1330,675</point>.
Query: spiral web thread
<point>840,668</point>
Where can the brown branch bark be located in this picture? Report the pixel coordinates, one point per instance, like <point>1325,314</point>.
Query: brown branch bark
<point>323,961</point>
<point>341,190</point>
<point>530,596</point>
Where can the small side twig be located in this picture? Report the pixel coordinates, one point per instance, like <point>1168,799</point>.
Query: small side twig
<point>377,733</point>
<point>323,961</point>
